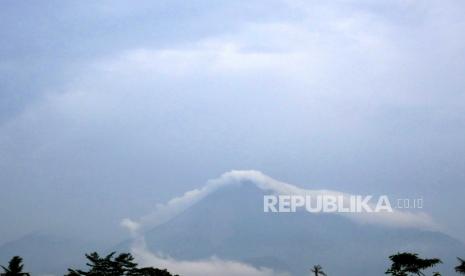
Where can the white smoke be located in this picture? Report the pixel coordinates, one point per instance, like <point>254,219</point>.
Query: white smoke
<point>207,267</point>
<point>216,266</point>
<point>164,212</point>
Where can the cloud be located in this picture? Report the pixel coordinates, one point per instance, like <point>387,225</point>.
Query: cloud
<point>164,212</point>
<point>208,267</point>
<point>216,266</point>
<point>371,90</point>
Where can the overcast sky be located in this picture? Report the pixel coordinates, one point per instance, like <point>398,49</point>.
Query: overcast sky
<point>109,108</point>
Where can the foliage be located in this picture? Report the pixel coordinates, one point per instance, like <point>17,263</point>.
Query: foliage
<point>121,265</point>
<point>317,270</point>
<point>15,267</point>
<point>461,267</point>
<point>404,264</point>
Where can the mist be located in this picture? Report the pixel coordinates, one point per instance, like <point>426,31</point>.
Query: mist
<point>108,109</point>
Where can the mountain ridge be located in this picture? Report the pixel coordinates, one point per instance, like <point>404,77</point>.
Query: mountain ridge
<point>230,223</point>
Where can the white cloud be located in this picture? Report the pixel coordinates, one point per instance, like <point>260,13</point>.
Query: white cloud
<point>208,267</point>
<point>216,266</point>
<point>177,205</point>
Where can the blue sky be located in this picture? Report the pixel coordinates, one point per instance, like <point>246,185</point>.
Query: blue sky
<point>109,108</point>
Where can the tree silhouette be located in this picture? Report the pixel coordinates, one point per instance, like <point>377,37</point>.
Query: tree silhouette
<point>150,271</point>
<point>317,270</point>
<point>15,267</point>
<point>461,267</point>
<point>404,264</point>
<point>121,265</point>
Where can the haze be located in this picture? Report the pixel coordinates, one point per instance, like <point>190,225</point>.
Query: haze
<point>108,108</point>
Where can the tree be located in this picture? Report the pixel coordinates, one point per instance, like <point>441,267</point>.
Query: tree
<point>121,265</point>
<point>150,271</point>
<point>317,270</point>
<point>15,267</point>
<point>461,267</point>
<point>404,264</point>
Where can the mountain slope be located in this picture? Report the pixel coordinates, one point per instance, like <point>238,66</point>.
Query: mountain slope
<point>45,254</point>
<point>230,223</point>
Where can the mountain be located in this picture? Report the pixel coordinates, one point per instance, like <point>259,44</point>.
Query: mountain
<point>230,224</point>
<point>46,254</point>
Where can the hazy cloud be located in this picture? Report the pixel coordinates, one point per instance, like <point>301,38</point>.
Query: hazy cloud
<point>351,95</point>
<point>164,212</point>
<point>208,267</point>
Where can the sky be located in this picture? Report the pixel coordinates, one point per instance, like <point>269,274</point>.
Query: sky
<point>109,108</point>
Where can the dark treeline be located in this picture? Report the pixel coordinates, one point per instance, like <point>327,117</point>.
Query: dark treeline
<point>402,264</point>
<point>406,264</point>
<point>110,265</point>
